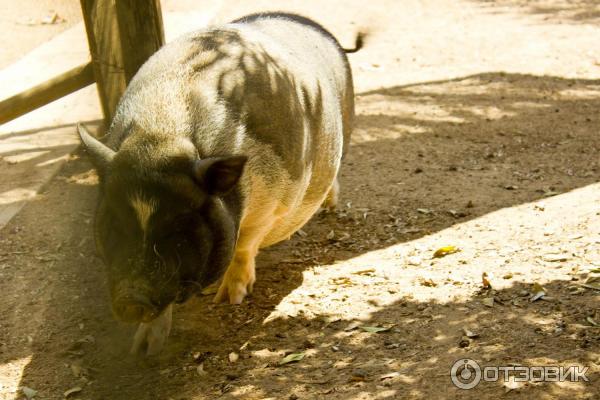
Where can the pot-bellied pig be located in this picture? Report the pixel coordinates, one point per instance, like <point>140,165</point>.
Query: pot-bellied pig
<point>227,140</point>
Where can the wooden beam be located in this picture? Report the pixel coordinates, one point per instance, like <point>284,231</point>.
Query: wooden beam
<point>47,92</point>
<point>122,35</point>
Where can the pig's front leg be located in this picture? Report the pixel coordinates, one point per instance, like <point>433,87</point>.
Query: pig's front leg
<point>239,278</point>
<point>152,336</point>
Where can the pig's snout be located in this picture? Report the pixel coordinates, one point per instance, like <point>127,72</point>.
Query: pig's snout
<point>133,305</point>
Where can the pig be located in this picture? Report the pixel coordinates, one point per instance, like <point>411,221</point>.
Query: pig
<point>227,140</point>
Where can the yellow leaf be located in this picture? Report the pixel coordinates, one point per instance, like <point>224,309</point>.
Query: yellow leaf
<point>444,251</point>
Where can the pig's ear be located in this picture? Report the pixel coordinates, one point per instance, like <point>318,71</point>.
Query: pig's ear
<point>218,175</point>
<point>100,153</point>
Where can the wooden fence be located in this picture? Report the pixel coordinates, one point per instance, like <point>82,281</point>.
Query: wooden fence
<point>121,35</point>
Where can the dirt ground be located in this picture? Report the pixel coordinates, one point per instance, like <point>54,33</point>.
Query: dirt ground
<point>478,126</point>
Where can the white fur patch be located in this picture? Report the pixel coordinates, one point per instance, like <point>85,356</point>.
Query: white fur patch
<point>144,208</point>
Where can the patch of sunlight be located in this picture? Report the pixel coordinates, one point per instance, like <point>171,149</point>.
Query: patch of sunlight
<point>538,320</point>
<point>529,104</point>
<point>489,112</point>
<point>16,195</point>
<point>87,178</point>
<point>433,113</point>
<point>379,105</point>
<point>10,377</point>
<point>395,131</point>
<point>587,94</point>
<point>249,390</point>
<point>511,241</point>
<point>64,157</point>
<point>470,86</point>
<point>17,158</point>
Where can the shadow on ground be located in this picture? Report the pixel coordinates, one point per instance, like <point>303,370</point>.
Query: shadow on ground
<point>581,11</point>
<point>424,158</point>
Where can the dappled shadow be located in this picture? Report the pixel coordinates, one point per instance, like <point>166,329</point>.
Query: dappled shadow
<point>28,159</point>
<point>580,11</point>
<point>27,132</point>
<point>414,357</point>
<point>424,158</point>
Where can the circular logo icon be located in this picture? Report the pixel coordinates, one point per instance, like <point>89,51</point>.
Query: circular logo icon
<point>465,373</point>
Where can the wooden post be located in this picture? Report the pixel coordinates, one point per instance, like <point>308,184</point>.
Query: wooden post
<point>122,35</point>
<point>46,92</point>
<point>141,32</point>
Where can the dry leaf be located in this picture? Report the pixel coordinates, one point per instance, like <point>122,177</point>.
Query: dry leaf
<point>369,271</point>
<point>485,282</point>
<point>488,302</point>
<point>390,375</point>
<point>470,334</point>
<point>28,392</point>
<point>341,280</point>
<point>352,326</point>
<point>444,251</point>
<point>427,282</point>
<point>556,257</point>
<point>592,279</point>
<point>592,322</point>
<point>457,214</point>
<point>376,329</point>
<point>290,358</point>
<point>73,390</point>
<point>537,292</point>
<point>595,286</point>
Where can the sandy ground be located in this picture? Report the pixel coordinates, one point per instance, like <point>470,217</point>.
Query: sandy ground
<point>477,127</point>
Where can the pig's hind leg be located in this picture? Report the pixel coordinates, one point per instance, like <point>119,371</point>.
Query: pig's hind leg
<point>331,201</point>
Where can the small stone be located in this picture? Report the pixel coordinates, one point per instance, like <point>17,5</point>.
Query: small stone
<point>414,260</point>
<point>358,375</point>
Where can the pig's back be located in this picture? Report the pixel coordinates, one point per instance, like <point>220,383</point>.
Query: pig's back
<point>276,90</point>
<point>304,121</point>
